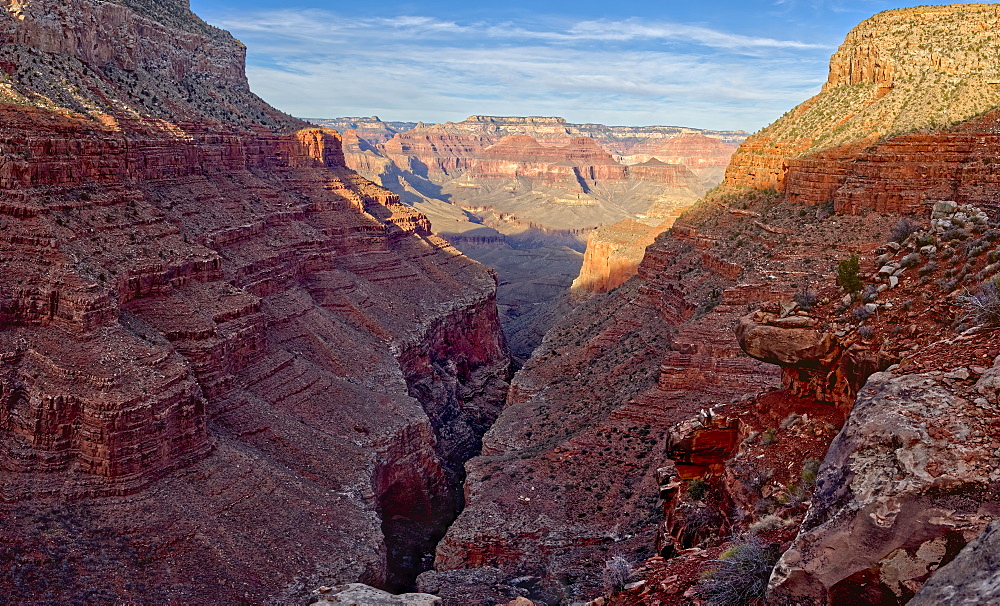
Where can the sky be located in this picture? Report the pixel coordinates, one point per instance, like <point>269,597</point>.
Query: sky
<point>719,65</point>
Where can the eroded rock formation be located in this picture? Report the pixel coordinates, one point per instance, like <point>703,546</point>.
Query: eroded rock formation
<point>218,343</point>
<point>884,64</point>
<point>971,578</point>
<point>910,479</point>
<point>800,196</point>
<point>498,186</point>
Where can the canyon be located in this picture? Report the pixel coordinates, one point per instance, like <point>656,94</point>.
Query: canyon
<point>846,438</point>
<point>529,196</point>
<point>233,368</point>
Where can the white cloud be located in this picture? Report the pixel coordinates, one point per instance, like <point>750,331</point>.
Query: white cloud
<point>316,64</point>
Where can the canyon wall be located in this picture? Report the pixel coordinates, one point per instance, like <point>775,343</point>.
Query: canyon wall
<point>232,367</point>
<point>898,377</point>
<point>938,55</point>
<point>518,191</point>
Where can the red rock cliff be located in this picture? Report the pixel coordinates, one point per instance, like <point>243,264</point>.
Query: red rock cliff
<point>202,308</point>
<point>899,71</point>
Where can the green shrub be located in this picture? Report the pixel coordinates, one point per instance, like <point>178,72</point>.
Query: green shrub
<point>810,468</point>
<point>697,489</point>
<point>847,274</point>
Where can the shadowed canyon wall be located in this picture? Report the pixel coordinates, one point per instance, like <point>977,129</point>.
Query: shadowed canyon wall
<point>218,343</point>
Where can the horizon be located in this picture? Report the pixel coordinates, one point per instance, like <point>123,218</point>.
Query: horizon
<point>726,66</point>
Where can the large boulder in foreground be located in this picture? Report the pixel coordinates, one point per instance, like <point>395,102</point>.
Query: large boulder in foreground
<point>972,578</point>
<point>910,480</point>
<point>797,341</point>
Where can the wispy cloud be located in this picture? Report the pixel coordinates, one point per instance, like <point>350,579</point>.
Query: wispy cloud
<point>315,63</point>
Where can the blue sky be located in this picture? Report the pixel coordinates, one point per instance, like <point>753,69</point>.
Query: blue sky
<point>721,65</point>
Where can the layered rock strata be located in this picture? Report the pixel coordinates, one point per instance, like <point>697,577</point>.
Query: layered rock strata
<point>219,344</point>
<point>499,186</point>
<point>721,260</point>
<point>610,380</point>
<point>887,63</point>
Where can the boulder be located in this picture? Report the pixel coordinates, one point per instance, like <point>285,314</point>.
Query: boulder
<point>909,481</point>
<point>971,579</point>
<point>357,594</point>
<point>794,341</point>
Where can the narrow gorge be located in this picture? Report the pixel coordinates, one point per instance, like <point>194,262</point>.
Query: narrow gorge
<point>247,358</point>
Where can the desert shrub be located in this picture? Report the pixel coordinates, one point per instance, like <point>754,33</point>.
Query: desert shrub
<point>847,274</point>
<point>930,268</point>
<point>980,247</point>
<point>765,506</point>
<point>806,299</point>
<point>983,307</point>
<point>791,420</point>
<point>810,469</point>
<point>860,314</point>
<point>946,253</point>
<point>617,572</point>
<point>769,436</point>
<point>992,235</point>
<point>767,523</point>
<point>946,285</point>
<point>697,489</point>
<point>902,230</point>
<point>926,239</point>
<point>699,523</point>
<point>955,233</point>
<point>911,260</point>
<point>866,332</point>
<point>753,476</point>
<point>870,294</point>
<point>742,574</point>
<point>794,495</point>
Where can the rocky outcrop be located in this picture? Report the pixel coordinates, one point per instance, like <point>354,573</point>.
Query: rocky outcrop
<point>218,342</point>
<point>357,594</point>
<point>613,255</point>
<point>98,59</point>
<point>372,130</point>
<point>885,63</point>
<point>576,166</point>
<point>815,362</point>
<point>893,495</point>
<point>970,579</point>
<point>705,156</point>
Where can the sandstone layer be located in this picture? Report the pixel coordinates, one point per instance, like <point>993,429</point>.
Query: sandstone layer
<point>900,71</point>
<point>657,359</point>
<point>498,186</point>
<point>231,367</point>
